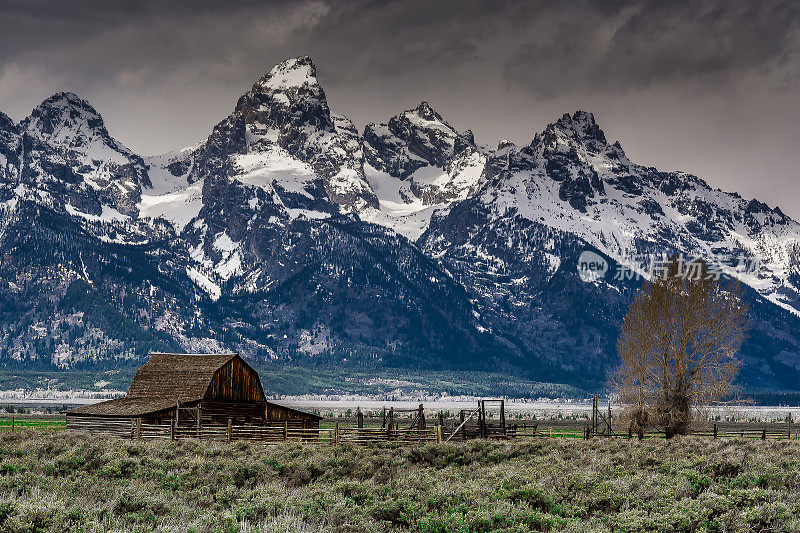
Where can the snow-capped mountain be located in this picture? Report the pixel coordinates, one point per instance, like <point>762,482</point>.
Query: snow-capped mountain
<point>71,162</point>
<point>628,210</point>
<point>286,233</point>
<point>417,163</point>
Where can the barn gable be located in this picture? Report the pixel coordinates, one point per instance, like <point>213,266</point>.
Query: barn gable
<point>235,381</point>
<point>184,377</point>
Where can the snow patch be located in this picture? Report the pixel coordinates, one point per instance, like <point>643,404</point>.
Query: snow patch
<point>109,214</point>
<point>290,74</point>
<point>178,207</point>
<point>204,282</point>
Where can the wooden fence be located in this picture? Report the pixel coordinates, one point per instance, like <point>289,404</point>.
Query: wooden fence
<point>340,434</point>
<point>132,428</point>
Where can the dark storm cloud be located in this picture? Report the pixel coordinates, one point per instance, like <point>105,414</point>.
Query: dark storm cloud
<point>106,38</point>
<point>626,46</point>
<point>710,87</point>
<point>545,48</point>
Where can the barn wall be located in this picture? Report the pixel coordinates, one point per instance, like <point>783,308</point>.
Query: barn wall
<point>161,417</point>
<point>296,418</point>
<point>218,412</point>
<point>111,426</point>
<point>235,381</point>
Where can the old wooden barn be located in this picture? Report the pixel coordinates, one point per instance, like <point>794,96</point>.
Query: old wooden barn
<point>194,390</point>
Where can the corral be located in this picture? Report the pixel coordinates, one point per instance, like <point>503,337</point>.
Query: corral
<point>220,397</point>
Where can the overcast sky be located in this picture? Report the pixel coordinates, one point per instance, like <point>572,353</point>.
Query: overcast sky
<point>709,87</point>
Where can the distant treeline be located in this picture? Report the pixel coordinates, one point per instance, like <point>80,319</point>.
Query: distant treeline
<point>791,399</point>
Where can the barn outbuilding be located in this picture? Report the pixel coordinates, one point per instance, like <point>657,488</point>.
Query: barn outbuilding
<point>190,390</point>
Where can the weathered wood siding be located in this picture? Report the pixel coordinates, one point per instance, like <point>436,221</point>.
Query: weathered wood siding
<point>239,412</point>
<point>235,382</point>
<point>278,412</point>
<point>115,427</point>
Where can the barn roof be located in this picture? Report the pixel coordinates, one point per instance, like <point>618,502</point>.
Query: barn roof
<point>164,379</point>
<point>183,377</point>
<point>127,406</point>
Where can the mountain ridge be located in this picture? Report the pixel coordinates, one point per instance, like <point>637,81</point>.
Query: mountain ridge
<point>289,234</point>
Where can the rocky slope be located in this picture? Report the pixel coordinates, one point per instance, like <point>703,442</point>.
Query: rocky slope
<point>288,234</point>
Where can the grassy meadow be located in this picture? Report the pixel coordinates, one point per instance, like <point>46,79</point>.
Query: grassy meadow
<point>57,481</point>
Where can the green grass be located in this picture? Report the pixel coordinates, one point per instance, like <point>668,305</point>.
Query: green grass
<point>38,423</point>
<point>57,481</point>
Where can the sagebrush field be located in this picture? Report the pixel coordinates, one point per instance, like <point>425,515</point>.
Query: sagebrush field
<point>55,481</point>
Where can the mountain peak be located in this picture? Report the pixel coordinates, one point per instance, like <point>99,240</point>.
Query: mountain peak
<point>288,94</point>
<point>7,123</point>
<point>62,113</point>
<point>293,73</point>
<point>577,130</point>
<point>581,125</point>
<point>424,110</point>
<point>68,100</point>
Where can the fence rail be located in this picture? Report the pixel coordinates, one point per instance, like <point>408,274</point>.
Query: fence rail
<point>132,428</point>
<point>135,429</point>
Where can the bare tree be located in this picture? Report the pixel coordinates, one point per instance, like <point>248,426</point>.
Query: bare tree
<point>678,346</point>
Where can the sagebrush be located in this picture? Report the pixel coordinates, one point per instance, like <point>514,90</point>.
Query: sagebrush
<point>55,481</point>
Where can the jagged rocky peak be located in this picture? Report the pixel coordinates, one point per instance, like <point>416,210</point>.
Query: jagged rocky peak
<point>504,143</point>
<point>65,119</point>
<point>426,133</point>
<point>435,162</point>
<point>9,134</point>
<point>292,74</point>
<point>758,214</point>
<point>579,132</point>
<point>282,136</point>
<point>7,124</point>
<point>9,153</point>
<point>289,95</point>
<point>564,152</point>
<point>70,123</point>
<point>413,139</point>
<point>581,126</point>
<point>71,157</point>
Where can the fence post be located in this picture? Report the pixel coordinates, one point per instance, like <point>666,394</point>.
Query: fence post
<point>12,424</point>
<point>789,425</point>
<point>715,431</point>
<point>172,431</point>
<point>360,417</point>
<point>484,433</point>
<point>764,434</point>
<point>336,434</point>
<point>285,430</point>
<point>138,428</point>
<point>230,429</point>
<point>439,433</point>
